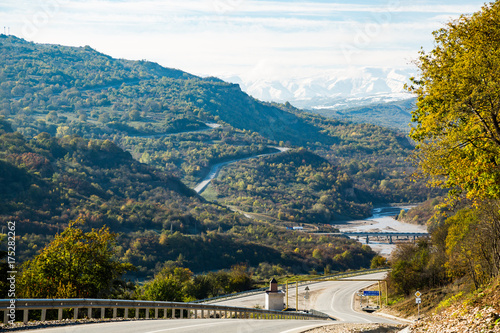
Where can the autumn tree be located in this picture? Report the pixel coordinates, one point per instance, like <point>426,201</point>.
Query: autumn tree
<point>171,284</point>
<point>472,245</point>
<point>74,264</point>
<point>458,134</point>
<point>458,106</point>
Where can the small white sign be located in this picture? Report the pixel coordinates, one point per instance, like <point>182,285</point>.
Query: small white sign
<point>418,300</point>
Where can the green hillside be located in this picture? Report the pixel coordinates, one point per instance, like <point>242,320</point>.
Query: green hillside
<point>46,182</point>
<point>122,142</point>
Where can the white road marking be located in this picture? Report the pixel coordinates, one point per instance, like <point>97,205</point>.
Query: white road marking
<point>191,326</point>
<point>302,328</point>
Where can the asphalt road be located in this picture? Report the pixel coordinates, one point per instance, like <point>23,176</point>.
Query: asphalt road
<point>191,326</point>
<point>334,298</point>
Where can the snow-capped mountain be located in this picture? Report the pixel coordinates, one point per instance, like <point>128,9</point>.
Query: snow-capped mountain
<point>333,89</point>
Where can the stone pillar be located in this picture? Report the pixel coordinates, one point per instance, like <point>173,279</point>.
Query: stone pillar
<point>274,297</point>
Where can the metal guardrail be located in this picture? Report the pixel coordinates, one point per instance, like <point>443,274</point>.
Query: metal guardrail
<point>96,308</point>
<point>317,279</point>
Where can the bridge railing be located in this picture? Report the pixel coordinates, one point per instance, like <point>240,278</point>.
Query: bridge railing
<point>96,308</point>
<point>301,282</point>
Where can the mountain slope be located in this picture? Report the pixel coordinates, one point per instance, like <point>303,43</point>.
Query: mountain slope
<point>45,182</point>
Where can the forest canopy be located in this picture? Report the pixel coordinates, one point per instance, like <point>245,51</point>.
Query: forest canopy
<point>458,114</point>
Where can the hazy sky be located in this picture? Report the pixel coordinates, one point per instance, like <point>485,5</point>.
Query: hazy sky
<point>248,38</point>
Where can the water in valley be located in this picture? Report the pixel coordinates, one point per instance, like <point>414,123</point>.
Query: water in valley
<point>382,220</point>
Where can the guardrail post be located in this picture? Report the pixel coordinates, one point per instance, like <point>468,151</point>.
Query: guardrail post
<point>59,314</point>
<point>147,313</point>
<point>44,315</point>
<point>182,313</point>
<point>156,313</point>
<point>5,316</point>
<point>89,313</point>
<point>103,313</point>
<point>115,312</point>
<point>202,314</point>
<point>173,313</point>
<point>125,315</point>
<point>25,316</point>
<point>75,313</point>
<point>137,313</point>
<point>165,313</point>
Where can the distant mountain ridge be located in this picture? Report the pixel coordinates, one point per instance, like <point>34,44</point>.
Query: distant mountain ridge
<point>334,89</point>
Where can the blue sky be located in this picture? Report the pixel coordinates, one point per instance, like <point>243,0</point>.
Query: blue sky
<point>249,38</point>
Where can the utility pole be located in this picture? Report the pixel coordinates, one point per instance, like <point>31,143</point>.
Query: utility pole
<point>287,294</point>
<point>296,295</point>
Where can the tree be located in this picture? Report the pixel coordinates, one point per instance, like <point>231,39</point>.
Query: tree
<point>473,243</point>
<point>171,284</point>
<point>458,106</point>
<point>74,264</point>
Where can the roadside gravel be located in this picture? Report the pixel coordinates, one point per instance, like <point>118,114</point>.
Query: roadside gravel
<point>357,328</point>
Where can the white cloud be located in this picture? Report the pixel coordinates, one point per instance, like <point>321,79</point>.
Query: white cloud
<point>241,37</point>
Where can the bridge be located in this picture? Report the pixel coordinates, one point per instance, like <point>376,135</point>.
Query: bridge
<point>389,235</point>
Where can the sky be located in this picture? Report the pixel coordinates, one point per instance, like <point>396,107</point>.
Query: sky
<point>251,39</point>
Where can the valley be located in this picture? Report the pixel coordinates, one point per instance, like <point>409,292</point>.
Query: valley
<point>122,143</point>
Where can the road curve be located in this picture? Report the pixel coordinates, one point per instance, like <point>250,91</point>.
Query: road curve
<point>335,298</point>
<point>216,168</point>
<point>190,326</point>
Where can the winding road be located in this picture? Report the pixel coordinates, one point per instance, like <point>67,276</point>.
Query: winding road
<point>334,298</point>
<point>214,171</point>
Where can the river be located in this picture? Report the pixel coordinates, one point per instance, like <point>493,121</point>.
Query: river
<point>382,220</point>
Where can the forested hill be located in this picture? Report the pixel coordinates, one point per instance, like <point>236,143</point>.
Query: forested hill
<point>44,78</point>
<point>121,142</point>
<point>45,181</point>
<point>79,91</point>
